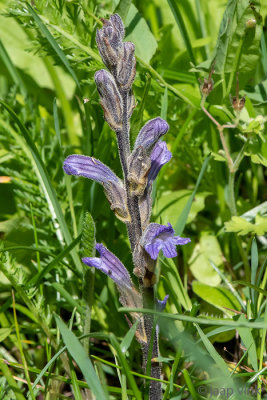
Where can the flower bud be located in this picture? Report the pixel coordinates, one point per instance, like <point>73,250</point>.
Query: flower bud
<point>126,68</point>
<point>238,104</point>
<point>207,86</point>
<point>109,40</point>
<point>251,23</point>
<point>138,166</point>
<point>111,100</point>
<point>151,133</point>
<point>116,22</point>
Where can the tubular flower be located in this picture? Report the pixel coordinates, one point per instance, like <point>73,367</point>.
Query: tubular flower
<point>89,167</point>
<point>160,155</point>
<point>151,132</point>
<point>110,265</point>
<point>160,237</point>
<point>129,296</point>
<point>161,304</point>
<point>94,169</point>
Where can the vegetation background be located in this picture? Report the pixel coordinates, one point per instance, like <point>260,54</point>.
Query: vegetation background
<point>213,329</point>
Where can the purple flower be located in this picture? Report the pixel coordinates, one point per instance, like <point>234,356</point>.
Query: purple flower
<point>151,132</point>
<point>160,155</point>
<point>90,168</point>
<point>111,266</point>
<point>161,304</point>
<point>160,237</point>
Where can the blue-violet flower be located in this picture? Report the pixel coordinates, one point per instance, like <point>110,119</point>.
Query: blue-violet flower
<point>160,237</point>
<point>151,132</point>
<point>110,265</point>
<point>160,155</point>
<point>89,167</point>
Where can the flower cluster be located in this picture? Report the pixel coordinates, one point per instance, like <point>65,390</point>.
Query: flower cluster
<point>130,198</point>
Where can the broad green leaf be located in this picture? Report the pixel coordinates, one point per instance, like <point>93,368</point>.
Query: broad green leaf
<point>217,296</point>
<point>237,45</point>
<point>12,69</point>
<point>77,352</point>
<point>136,30</point>
<point>243,227</point>
<point>170,206</point>
<point>257,150</point>
<point>247,339</point>
<point>123,8</point>
<point>206,251</point>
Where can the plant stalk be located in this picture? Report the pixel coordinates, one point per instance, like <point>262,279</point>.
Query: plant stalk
<point>150,348</point>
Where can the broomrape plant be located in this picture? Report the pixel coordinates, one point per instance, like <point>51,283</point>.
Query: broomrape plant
<point>130,198</point>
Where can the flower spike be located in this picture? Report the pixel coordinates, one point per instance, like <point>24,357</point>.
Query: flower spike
<point>160,237</point>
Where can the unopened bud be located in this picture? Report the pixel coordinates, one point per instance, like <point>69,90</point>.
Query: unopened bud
<point>116,22</point>
<point>109,40</point>
<point>207,86</point>
<point>111,100</point>
<point>151,133</point>
<point>251,23</point>
<point>238,104</point>
<point>126,68</point>
<point>139,164</point>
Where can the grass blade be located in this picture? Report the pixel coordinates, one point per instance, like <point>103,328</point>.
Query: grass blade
<point>53,43</point>
<point>77,352</point>
<point>44,179</point>
<point>12,69</point>
<point>254,267</point>
<point>181,25</point>
<point>125,366</point>
<point>180,224</point>
<point>204,321</point>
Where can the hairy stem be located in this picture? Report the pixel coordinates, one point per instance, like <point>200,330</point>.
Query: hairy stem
<point>135,233</point>
<point>151,348</point>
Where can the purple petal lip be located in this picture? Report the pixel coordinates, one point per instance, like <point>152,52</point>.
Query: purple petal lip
<point>161,304</point>
<point>151,132</point>
<point>160,237</point>
<point>160,155</point>
<point>90,168</point>
<point>110,265</point>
